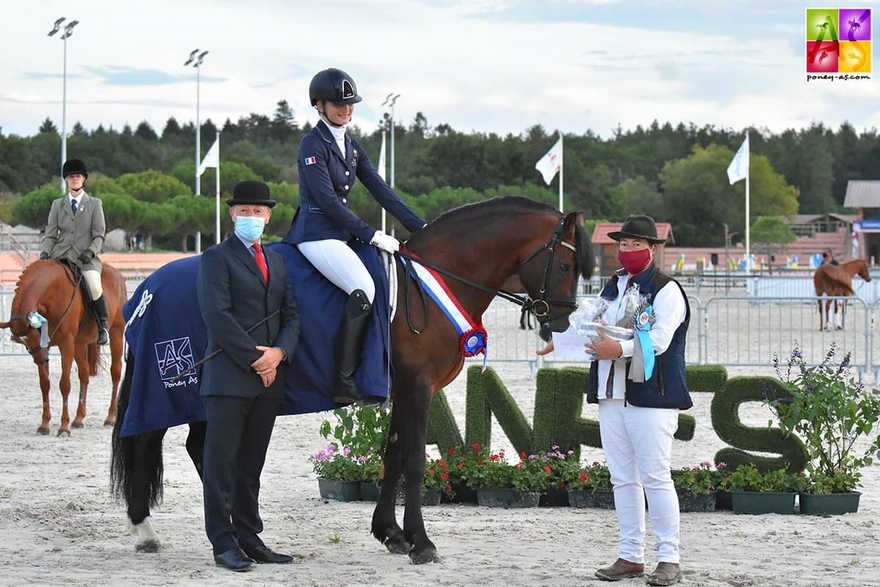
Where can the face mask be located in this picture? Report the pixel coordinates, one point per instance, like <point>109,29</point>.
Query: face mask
<point>634,261</point>
<point>250,228</point>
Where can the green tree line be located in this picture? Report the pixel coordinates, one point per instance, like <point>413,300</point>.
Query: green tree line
<point>675,173</point>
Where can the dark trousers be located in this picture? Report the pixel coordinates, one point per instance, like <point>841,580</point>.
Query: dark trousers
<point>238,434</point>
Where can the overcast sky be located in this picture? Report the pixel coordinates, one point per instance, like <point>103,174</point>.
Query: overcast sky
<point>492,66</point>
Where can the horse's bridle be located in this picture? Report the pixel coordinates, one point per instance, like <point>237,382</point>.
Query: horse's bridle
<point>36,321</point>
<point>542,302</point>
<point>540,307</point>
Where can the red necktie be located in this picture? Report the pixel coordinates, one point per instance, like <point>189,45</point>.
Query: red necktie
<point>261,262</point>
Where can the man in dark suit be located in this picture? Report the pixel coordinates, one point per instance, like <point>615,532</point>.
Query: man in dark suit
<point>247,304</point>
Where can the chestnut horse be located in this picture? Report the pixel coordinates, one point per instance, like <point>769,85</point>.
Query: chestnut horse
<point>836,281</point>
<point>49,309</point>
<point>476,248</point>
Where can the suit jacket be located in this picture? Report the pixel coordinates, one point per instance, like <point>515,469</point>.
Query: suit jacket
<point>326,177</point>
<point>67,235</point>
<point>232,298</point>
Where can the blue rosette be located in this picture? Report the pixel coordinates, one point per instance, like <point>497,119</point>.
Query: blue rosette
<point>642,366</point>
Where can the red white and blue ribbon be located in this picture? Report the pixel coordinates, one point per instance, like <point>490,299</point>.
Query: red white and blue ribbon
<point>473,337</point>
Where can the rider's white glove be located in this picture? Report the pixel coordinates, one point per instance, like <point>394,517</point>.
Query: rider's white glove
<point>386,242</point>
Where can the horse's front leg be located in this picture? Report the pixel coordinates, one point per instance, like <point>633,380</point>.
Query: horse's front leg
<point>64,387</point>
<point>384,526</point>
<point>43,371</point>
<point>82,371</point>
<point>413,435</point>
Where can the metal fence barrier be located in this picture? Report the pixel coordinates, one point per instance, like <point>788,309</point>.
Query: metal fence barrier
<point>735,330</point>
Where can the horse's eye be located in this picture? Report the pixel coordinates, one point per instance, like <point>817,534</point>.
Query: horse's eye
<point>564,267</point>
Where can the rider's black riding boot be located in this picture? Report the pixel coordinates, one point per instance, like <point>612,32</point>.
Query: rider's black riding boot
<point>351,343</point>
<point>103,320</point>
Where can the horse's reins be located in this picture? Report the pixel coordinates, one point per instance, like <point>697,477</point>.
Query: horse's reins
<point>26,318</point>
<point>526,302</point>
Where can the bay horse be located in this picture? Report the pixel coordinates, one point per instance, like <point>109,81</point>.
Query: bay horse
<point>49,309</point>
<point>836,281</point>
<point>475,248</point>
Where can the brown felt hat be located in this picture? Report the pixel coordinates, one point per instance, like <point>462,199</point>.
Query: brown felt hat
<point>638,226</point>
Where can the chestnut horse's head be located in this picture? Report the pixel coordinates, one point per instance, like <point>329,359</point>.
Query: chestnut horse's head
<point>37,289</point>
<point>863,269</point>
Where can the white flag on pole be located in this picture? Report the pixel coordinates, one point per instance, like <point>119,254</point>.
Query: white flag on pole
<point>739,167</point>
<point>212,157</point>
<point>381,169</point>
<point>550,163</point>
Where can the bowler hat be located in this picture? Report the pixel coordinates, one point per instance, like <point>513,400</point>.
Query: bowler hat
<point>250,192</point>
<point>72,166</point>
<point>638,226</point>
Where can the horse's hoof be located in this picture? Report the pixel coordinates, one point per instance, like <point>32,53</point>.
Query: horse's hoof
<point>148,546</point>
<point>43,431</point>
<point>63,433</point>
<point>398,545</point>
<point>77,425</point>
<point>109,423</point>
<point>424,556</point>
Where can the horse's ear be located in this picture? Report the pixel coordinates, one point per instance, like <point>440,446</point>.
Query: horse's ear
<point>573,219</point>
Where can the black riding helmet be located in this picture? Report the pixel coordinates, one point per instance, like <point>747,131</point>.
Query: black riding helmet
<point>333,85</point>
<point>72,166</point>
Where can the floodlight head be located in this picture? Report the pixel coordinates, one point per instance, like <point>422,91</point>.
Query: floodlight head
<point>192,56</point>
<point>57,26</point>
<point>68,30</point>
<point>202,55</point>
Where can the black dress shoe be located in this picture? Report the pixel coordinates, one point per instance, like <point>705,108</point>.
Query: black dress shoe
<point>264,554</point>
<point>234,560</point>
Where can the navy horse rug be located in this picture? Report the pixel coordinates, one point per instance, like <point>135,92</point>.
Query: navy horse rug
<point>167,336</point>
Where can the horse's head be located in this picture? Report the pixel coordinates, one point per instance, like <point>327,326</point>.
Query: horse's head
<point>30,331</point>
<point>863,270</point>
<point>550,274</point>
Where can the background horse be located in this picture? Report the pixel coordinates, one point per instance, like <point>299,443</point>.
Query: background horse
<point>474,249</point>
<point>49,309</point>
<point>836,281</point>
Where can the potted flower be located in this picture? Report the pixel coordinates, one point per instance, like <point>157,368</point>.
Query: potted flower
<point>362,432</point>
<point>590,486</point>
<point>558,464</point>
<point>754,492</point>
<point>499,483</point>
<point>832,413</point>
<point>697,487</point>
<point>339,472</point>
<point>436,481</point>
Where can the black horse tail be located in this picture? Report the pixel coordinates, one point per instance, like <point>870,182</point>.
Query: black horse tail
<point>122,462</point>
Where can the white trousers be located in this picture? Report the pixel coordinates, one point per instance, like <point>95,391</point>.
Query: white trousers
<point>93,280</point>
<point>638,448</point>
<point>341,265</point>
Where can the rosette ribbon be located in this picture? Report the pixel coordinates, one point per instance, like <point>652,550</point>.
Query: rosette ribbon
<point>642,366</point>
<point>36,320</point>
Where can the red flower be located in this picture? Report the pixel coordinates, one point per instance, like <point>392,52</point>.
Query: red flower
<point>548,469</point>
<point>583,477</point>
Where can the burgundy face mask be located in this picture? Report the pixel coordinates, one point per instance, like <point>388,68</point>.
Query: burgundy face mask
<point>634,261</point>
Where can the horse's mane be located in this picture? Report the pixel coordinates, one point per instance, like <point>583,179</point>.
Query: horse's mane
<point>492,206</point>
<point>507,205</point>
<point>25,275</point>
